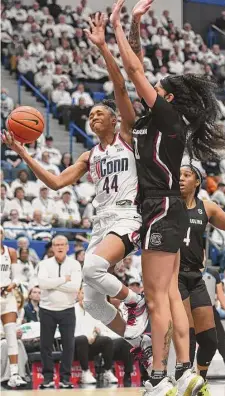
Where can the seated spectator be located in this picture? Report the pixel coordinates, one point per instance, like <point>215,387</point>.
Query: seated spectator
<point>61,76</point>
<point>80,256</point>
<point>204,55</point>
<point>48,24</point>
<point>54,154</point>
<point>98,71</point>
<point>50,45</point>
<point>219,195</point>
<point>48,61</point>
<point>79,68</point>
<point>188,31</point>
<point>43,80</point>
<point>54,9</point>
<point>63,101</point>
<point>67,210</point>
<point>27,67</point>
<point>162,73</point>
<point>63,27</point>
<point>25,270</point>
<point>36,12</point>
<point>65,48</point>
<point>31,308</point>
<point>14,227</point>
<point>80,92</point>
<point>89,343</point>
<point>15,49</point>
<point>6,32</point>
<point>23,243</point>
<point>66,161</point>
<point>11,162</point>
<point>7,105</point>
<point>79,115</point>
<point>5,203</point>
<point>192,65</point>
<point>175,66</point>
<point>17,14</point>
<point>218,58</point>
<point>85,191</point>
<point>9,193</point>
<point>84,236</point>
<point>36,48</point>
<point>158,60</point>
<point>45,204</point>
<point>45,162</point>
<point>29,187</point>
<point>64,62</point>
<point>48,251</point>
<point>33,149</point>
<point>19,203</point>
<point>40,228</point>
<point>161,40</point>
<point>27,25</point>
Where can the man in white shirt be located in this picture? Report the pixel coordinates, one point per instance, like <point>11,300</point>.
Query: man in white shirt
<point>14,228</point>
<point>63,27</point>
<point>43,80</point>
<point>60,96</point>
<point>81,93</point>
<point>54,154</point>
<point>192,65</point>
<point>23,207</point>
<point>36,13</point>
<point>174,65</point>
<point>36,48</point>
<point>30,187</point>
<point>44,203</point>
<point>67,210</point>
<point>59,279</point>
<point>45,162</point>
<point>17,12</point>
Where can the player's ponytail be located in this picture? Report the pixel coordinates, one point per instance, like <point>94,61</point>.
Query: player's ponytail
<point>194,98</point>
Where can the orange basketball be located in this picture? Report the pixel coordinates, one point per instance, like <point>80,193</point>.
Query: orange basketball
<point>26,124</point>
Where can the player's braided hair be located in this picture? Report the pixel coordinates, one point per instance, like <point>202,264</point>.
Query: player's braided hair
<point>110,105</point>
<point>194,98</point>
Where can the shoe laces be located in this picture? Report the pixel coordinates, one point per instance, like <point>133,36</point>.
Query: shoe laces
<point>142,355</point>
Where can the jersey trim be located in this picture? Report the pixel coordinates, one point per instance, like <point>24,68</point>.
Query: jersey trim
<point>163,213</point>
<point>125,143</point>
<point>159,162</point>
<point>111,144</point>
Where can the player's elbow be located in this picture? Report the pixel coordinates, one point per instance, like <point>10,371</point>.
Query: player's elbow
<point>133,70</point>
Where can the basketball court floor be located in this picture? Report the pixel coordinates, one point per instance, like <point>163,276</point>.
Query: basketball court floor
<point>217,389</point>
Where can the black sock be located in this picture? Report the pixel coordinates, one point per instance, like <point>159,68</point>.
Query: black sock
<point>203,374</point>
<point>157,376</point>
<point>181,368</point>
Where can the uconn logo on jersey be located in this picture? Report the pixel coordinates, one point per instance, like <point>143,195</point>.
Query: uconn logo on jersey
<point>108,167</point>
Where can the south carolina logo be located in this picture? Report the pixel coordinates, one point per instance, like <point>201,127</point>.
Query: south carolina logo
<point>156,239</point>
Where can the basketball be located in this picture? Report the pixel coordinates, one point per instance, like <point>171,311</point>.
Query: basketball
<point>26,123</point>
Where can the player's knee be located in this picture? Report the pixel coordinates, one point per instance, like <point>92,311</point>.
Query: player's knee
<point>207,341</point>
<point>155,300</point>
<point>10,335</point>
<point>94,267</point>
<point>100,310</point>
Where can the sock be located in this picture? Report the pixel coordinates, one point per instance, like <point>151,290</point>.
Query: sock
<point>13,369</point>
<point>132,298</point>
<point>181,368</point>
<point>135,342</point>
<point>157,376</point>
<point>203,374</point>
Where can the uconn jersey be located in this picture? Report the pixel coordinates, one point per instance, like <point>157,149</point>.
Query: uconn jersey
<point>5,267</point>
<point>113,172</point>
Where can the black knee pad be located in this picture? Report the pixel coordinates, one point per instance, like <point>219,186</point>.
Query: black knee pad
<point>192,344</point>
<point>207,341</point>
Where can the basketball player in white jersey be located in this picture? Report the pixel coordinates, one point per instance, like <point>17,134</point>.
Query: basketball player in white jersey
<point>112,167</point>
<point>8,310</point>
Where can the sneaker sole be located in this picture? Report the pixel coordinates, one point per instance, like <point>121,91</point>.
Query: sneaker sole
<point>172,392</point>
<point>194,387</point>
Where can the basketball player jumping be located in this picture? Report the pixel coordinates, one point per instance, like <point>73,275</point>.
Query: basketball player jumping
<point>180,106</point>
<point>112,167</point>
<point>192,287</point>
<point>8,310</point>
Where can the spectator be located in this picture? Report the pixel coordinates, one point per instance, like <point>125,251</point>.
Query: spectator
<point>89,343</point>
<point>188,31</point>
<point>84,236</point>
<point>175,66</point>
<point>192,65</point>
<point>54,9</point>
<point>23,243</point>
<point>9,193</point>
<point>27,25</point>
<point>160,40</point>
<point>31,308</point>
<point>158,60</point>
<point>59,279</point>
<point>45,204</point>
<point>11,162</point>
<point>66,161</point>
<point>45,162</point>
<point>86,11</point>
<point>67,210</point>
<point>23,207</point>
<point>25,267</point>
<point>60,76</point>
<point>54,154</point>
<point>41,230</point>
<point>219,195</point>
<point>36,48</point>
<point>48,251</point>
<point>43,80</point>
<point>218,59</point>
<point>204,55</point>
<point>33,149</point>
<point>130,270</point>
<point>63,101</point>
<point>162,73</point>
<point>65,48</point>
<point>79,115</point>
<point>7,106</point>
<point>29,187</point>
<point>85,191</point>
<point>14,227</point>
<point>165,18</point>
<point>48,24</point>
<point>63,27</point>
<point>80,256</point>
<point>36,12</point>
<point>17,14</point>
<point>5,203</point>
<point>48,61</point>
<point>80,92</point>
<point>27,67</point>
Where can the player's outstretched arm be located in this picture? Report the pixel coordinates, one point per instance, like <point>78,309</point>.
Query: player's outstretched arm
<point>130,60</point>
<point>67,177</point>
<point>123,102</point>
<point>215,214</point>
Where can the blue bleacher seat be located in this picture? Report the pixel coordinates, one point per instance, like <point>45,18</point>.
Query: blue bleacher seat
<point>98,96</point>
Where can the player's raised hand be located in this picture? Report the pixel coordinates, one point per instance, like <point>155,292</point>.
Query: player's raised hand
<point>141,8</point>
<point>116,10</point>
<point>97,33</point>
<point>7,138</point>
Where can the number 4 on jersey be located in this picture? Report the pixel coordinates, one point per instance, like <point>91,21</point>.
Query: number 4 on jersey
<point>114,184</point>
<point>187,240</point>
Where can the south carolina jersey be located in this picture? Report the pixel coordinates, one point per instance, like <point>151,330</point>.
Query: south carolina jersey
<point>192,249</point>
<point>159,142</point>
<point>5,277</point>
<point>114,174</point>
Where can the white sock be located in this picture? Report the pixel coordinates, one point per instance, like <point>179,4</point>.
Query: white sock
<point>135,342</point>
<point>132,298</point>
<point>13,369</point>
